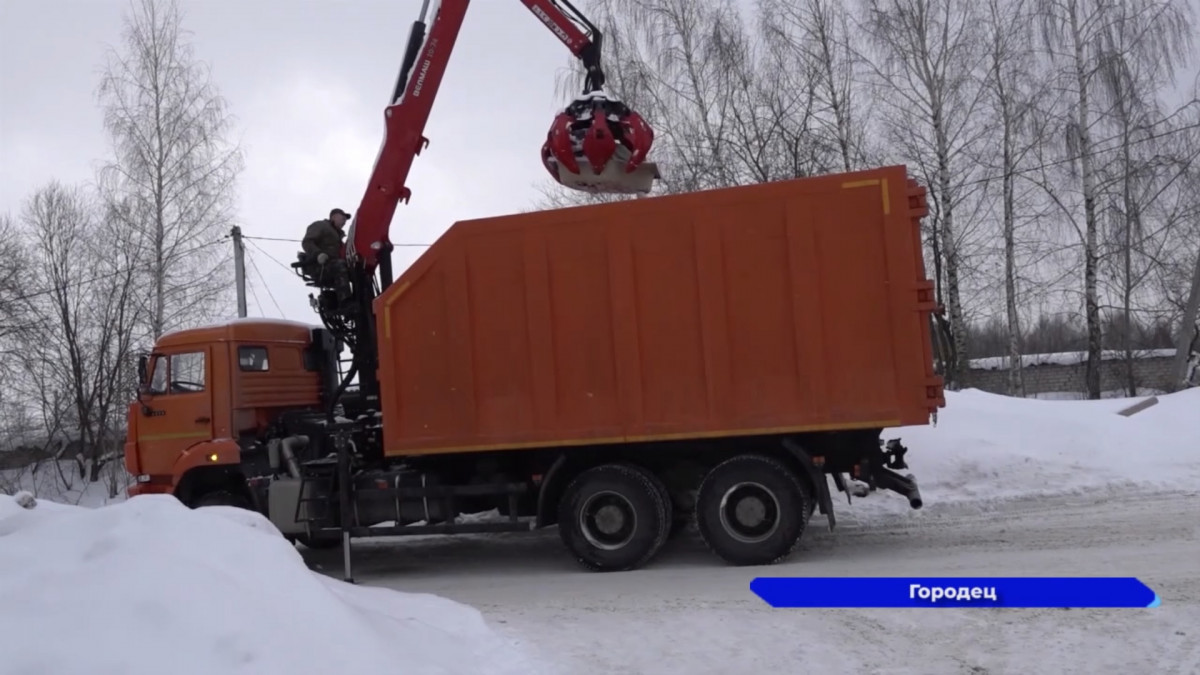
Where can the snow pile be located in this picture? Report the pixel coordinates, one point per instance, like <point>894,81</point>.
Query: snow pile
<point>987,446</point>
<point>1178,413</point>
<point>149,584</point>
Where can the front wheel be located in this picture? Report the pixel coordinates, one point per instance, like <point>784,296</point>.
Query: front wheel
<point>614,517</point>
<point>221,498</point>
<point>752,509</point>
<point>319,543</point>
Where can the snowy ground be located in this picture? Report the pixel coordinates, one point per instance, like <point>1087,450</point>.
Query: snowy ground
<point>61,482</point>
<point>149,586</point>
<point>1012,487</point>
<point>689,615</point>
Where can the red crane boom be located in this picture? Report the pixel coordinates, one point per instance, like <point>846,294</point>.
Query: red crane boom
<point>596,144</point>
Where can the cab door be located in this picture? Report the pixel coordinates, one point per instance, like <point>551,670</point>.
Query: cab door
<point>177,408</point>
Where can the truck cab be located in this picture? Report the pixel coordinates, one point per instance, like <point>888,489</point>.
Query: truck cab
<point>207,395</point>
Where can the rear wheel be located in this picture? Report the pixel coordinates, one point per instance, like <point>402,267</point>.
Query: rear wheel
<point>670,517</point>
<point>752,509</point>
<point>614,517</point>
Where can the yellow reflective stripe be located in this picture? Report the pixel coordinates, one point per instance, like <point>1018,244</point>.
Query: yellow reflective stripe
<point>882,182</point>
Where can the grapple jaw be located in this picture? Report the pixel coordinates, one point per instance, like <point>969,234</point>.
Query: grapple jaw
<point>599,145</point>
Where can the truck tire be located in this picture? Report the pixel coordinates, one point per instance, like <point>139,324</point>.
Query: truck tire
<point>319,543</point>
<point>633,511</point>
<point>664,493</point>
<point>221,498</point>
<point>752,509</point>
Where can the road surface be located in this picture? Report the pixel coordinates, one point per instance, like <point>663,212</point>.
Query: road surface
<point>689,613</point>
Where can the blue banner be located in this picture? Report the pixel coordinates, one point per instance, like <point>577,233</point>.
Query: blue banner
<point>1054,592</point>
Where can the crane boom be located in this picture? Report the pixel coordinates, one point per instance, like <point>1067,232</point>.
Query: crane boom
<point>407,113</point>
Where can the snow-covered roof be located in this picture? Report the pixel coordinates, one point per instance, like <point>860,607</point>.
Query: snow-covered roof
<point>256,321</point>
<point>1065,358</point>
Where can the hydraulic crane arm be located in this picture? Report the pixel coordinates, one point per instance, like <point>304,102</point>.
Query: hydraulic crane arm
<point>584,44</point>
<point>577,133</point>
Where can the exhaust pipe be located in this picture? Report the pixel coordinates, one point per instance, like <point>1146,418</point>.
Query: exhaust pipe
<point>287,448</point>
<point>904,485</point>
<point>914,496</point>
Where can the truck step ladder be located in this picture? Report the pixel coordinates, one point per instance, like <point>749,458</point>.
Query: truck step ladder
<point>317,480</point>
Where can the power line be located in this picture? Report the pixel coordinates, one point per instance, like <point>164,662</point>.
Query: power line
<point>109,275</point>
<point>269,256</point>
<point>290,241</point>
<point>257,303</point>
<point>267,286</point>
<point>297,241</point>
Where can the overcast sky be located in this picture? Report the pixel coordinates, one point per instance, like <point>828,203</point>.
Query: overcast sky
<point>307,81</point>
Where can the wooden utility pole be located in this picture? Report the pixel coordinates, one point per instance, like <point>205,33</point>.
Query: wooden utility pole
<point>239,269</point>
<point>1187,332</point>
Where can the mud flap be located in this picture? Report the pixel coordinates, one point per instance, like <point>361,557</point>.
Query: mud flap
<point>613,179</point>
<point>819,481</point>
<point>550,489</point>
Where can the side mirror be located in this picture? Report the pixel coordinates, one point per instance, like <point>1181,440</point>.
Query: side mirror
<point>143,384</point>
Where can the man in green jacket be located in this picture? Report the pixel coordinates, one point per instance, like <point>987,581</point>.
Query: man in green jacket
<point>324,250</point>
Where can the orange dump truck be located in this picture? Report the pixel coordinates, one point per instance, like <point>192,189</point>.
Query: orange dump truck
<point>618,370</point>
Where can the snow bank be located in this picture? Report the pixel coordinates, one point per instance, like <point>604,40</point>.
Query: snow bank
<point>988,446</point>
<point>148,584</point>
<point>1178,412</point>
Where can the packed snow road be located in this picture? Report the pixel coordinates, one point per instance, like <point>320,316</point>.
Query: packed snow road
<point>688,613</point>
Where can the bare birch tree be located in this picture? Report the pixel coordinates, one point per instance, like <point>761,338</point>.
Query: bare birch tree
<point>811,46</point>
<point>926,58</point>
<point>1147,165</point>
<point>1142,223</point>
<point>1074,35</point>
<point>174,173</point>
<point>1177,278</point>
<point>767,125</point>
<point>728,107</point>
<point>1013,85</point>
<point>1187,341</point>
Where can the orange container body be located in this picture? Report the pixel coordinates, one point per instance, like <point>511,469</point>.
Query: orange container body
<point>784,307</point>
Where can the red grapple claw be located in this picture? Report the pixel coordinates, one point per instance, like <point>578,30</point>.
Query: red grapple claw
<point>558,144</point>
<point>598,143</point>
<point>638,137</point>
<point>591,138</point>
